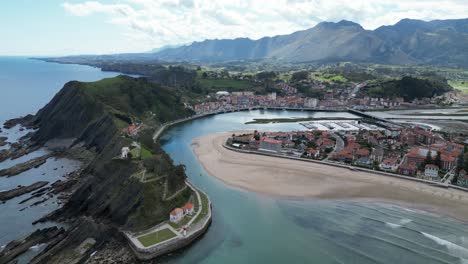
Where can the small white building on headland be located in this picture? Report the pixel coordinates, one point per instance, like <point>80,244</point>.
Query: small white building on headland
<point>124,152</point>
<point>176,215</point>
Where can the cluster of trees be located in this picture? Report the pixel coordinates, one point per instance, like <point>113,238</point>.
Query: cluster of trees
<point>175,76</point>
<point>410,88</point>
<point>137,96</point>
<point>462,164</point>
<point>428,160</point>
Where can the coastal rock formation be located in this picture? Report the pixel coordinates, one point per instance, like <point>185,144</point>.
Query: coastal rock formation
<point>22,167</point>
<point>18,121</point>
<point>17,247</point>
<point>83,237</point>
<point>7,195</point>
<point>3,141</point>
<point>91,116</point>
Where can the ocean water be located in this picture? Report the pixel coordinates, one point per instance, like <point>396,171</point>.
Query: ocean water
<point>254,228</point>
<point>247,227</point>
<point>26,86</point>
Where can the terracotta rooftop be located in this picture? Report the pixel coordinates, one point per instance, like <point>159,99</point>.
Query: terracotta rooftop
<point>271,140</point>
<point>177,211</point>
<point>188,206</point>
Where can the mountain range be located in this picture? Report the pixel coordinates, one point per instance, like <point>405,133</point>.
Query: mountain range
<point>438,42</point>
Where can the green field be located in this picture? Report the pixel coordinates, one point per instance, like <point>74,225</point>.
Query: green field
<point>327,77</point>
<point>459,85</point>
<point>156,237</point>
<point>145,153</point>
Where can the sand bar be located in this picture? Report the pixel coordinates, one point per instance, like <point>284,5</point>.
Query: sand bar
<point>291,178</point>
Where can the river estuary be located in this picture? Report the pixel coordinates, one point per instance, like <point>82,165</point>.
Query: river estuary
<point>247,227</point>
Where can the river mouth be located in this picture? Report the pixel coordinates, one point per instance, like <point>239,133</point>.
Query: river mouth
<point>252,228</point>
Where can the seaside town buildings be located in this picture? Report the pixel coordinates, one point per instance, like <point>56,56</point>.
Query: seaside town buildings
<point>411,151</point>
<point>291,98</point>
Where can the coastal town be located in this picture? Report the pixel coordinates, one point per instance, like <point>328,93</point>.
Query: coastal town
<point>329,99</point>
<point>414,151</point>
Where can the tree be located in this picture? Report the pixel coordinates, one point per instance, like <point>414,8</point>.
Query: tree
<point>438,159</point>
<point>428,159</point>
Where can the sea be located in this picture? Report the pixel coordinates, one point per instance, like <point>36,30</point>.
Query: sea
<point>26,85</point>
<point>247,227</point>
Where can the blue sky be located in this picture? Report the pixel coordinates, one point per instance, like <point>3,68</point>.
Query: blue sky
<point>62,27</point>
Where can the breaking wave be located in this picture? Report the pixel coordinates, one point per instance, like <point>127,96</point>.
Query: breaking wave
<point>454,249</point>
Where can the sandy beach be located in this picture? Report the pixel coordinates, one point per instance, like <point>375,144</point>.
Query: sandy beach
<point>291,178</point>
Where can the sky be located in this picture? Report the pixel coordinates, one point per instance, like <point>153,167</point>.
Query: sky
<point>70,27</point>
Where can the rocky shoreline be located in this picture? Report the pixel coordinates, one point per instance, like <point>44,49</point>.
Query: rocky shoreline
<point>17,247</point>
<point>25,166</point>
<point>103,197</point>
<point>20,190</point>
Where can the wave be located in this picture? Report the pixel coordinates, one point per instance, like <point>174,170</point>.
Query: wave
<point>405,221</point>
<point>36,247</point>
<point>454,249</point>
<point>402,222</point>
<point>392,225</point>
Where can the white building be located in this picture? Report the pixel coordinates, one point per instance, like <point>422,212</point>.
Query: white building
<point>311,102</point>
<point>222,93</point>
<point>272,96</point>
<point>431,171</point>
<point>188,209</point>
<point>176,215</point>
<point>124,152</point>
<point>389,165</point>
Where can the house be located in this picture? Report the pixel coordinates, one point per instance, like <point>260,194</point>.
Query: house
<point>271,145</point>
<point>363,161</point>
<point>389,165</point>
<point>407,169</point>
<point>377,154</point>
<point>417,155</point>
<point>325,142</point>
<point>176,215</point>
<point>124,152</point>
<point>312,153</point>
<point>360,153</point>
<point>188,209</point>
<point>132,130</point>
<point>431,171</point>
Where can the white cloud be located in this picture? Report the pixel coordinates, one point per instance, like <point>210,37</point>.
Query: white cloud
<point>164,22</point>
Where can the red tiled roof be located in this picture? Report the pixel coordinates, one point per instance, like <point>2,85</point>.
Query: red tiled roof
<point>390,161</point>
<point>363,152</point>
<point>177,211</point>
<point>408,166</point>
<point>188,206</point>
<point>271,140</point>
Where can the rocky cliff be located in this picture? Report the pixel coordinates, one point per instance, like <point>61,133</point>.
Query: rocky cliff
<point>90,116</point>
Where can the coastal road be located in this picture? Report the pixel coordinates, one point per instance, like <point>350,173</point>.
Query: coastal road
<point>338,146</point>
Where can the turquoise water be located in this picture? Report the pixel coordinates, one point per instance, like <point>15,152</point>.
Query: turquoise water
<point>247,227</point>
<point>253,228</point>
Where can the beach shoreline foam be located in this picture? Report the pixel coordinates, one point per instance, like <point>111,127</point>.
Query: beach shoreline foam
<point>298,179</point>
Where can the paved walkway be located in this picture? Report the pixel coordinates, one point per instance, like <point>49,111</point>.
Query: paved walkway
<point>133,237</point>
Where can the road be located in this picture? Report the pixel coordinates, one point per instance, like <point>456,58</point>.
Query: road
<point>338,146</point>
